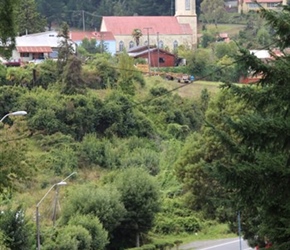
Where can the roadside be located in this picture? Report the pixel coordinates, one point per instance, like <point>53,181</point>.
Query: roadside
<point>225,244</point>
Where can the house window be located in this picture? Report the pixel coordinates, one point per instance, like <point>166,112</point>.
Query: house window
<point>161,45</point>
<point>253,5</point>
<point>161,60</point>
<point>131,44</point>
<point>187,4</point>
<point>37,56</point>
<point>121,46</point>
<point>271,5</point>
<point>24,54</point>
<point>175,45</point>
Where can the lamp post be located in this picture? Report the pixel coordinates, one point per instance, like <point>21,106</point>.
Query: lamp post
<point>61,183</point>
<point>16,113</point>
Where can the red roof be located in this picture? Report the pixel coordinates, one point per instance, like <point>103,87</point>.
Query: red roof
<point>34,49</point>
<point>81,35</point>
<point>263,1</point>
<point>166,25</point>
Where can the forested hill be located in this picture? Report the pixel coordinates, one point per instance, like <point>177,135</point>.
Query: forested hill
<point>73,11</point>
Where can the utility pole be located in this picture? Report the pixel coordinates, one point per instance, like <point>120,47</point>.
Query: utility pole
<point>148,46</point>
<point>84,25</point>
<point>158,51</point>
<point>240,229</point>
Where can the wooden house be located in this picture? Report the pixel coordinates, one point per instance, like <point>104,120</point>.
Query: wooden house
<point>156,56</point>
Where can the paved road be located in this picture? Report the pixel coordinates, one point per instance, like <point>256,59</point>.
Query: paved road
<point>224,244</point>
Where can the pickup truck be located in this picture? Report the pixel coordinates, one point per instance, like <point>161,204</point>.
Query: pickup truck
<point>185,79</point>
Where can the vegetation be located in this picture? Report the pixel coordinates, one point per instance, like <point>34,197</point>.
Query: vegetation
<point>152,157</point>
<point>115,137</point>
<point>242,150</point>
<point>8,29</point>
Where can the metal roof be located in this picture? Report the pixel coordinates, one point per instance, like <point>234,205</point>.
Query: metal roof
<point>164,25</point>
<point>34,49</point>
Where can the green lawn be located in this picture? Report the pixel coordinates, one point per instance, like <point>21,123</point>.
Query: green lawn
<point>231,29</point>
<point>216,231</point>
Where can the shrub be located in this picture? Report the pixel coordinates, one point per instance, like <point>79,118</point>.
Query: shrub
<point>74,237</point>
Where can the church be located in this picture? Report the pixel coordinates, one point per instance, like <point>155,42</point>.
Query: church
<point>166,32</point>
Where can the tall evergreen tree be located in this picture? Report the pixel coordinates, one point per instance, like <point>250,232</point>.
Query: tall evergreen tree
<point>28,18</point>
<point>65,48</point>
<point>7,26</point>
<point>52,10</point>
<point>257,167</point>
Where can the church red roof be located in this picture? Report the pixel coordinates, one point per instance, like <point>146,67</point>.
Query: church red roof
<point>166,25</point>
<point>80,35</point>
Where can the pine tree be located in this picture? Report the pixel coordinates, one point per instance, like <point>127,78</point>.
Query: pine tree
<point>7,26</point>
<point>257,168</point>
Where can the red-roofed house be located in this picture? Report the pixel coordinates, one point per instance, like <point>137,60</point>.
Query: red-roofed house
<point>158,57</point>
<point>165,31</point>
<point>248,5</point>
<point>107,39</point>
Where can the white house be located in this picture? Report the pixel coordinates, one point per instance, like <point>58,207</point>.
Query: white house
<point>37,46</point>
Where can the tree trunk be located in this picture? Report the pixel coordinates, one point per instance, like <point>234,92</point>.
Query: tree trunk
<point>137,239</point>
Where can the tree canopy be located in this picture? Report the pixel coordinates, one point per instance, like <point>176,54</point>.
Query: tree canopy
<point>8,29</point>
<point>253,163</point>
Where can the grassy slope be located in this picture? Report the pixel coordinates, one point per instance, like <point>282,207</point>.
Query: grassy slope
<point>32,192</point>
<point>192,90</point>
<point>231,29</point>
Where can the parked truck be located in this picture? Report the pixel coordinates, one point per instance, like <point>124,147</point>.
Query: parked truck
<point>185,79</point>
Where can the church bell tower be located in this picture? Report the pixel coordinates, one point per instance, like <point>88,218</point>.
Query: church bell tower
<point>185,12</point>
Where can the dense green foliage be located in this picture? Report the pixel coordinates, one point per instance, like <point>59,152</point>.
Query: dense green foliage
<point>8,29</point>
<point>28,19</point>
<point>73,12</point>
<point>16,228</point>
<point>84,132</point>
<point>244,147</point>
<point>140,196</point>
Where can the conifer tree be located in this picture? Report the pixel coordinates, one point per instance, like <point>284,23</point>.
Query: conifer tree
<point>65,48</point>
<point>7,26</point>
<point>257,168</point>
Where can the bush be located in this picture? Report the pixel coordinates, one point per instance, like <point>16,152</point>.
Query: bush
<point>93,225</point>
<point>63,159</point>
<point>16,229</point>
<point>73,237</point>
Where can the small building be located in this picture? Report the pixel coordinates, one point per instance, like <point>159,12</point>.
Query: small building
<point>231,5</point>
<point>157,57</point>
<point>265,56</point>
<point>105,39</point>
<point>37,46</point>
<point>250,5</point>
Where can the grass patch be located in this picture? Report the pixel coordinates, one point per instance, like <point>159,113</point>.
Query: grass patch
<point>231,29</point>
<point>187,90</point>
<point>211,232</point>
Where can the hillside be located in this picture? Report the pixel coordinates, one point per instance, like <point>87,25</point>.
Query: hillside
<point>51,146</point>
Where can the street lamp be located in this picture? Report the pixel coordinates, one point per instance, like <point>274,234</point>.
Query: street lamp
<point>61,183</point>
<point>16,113</point>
